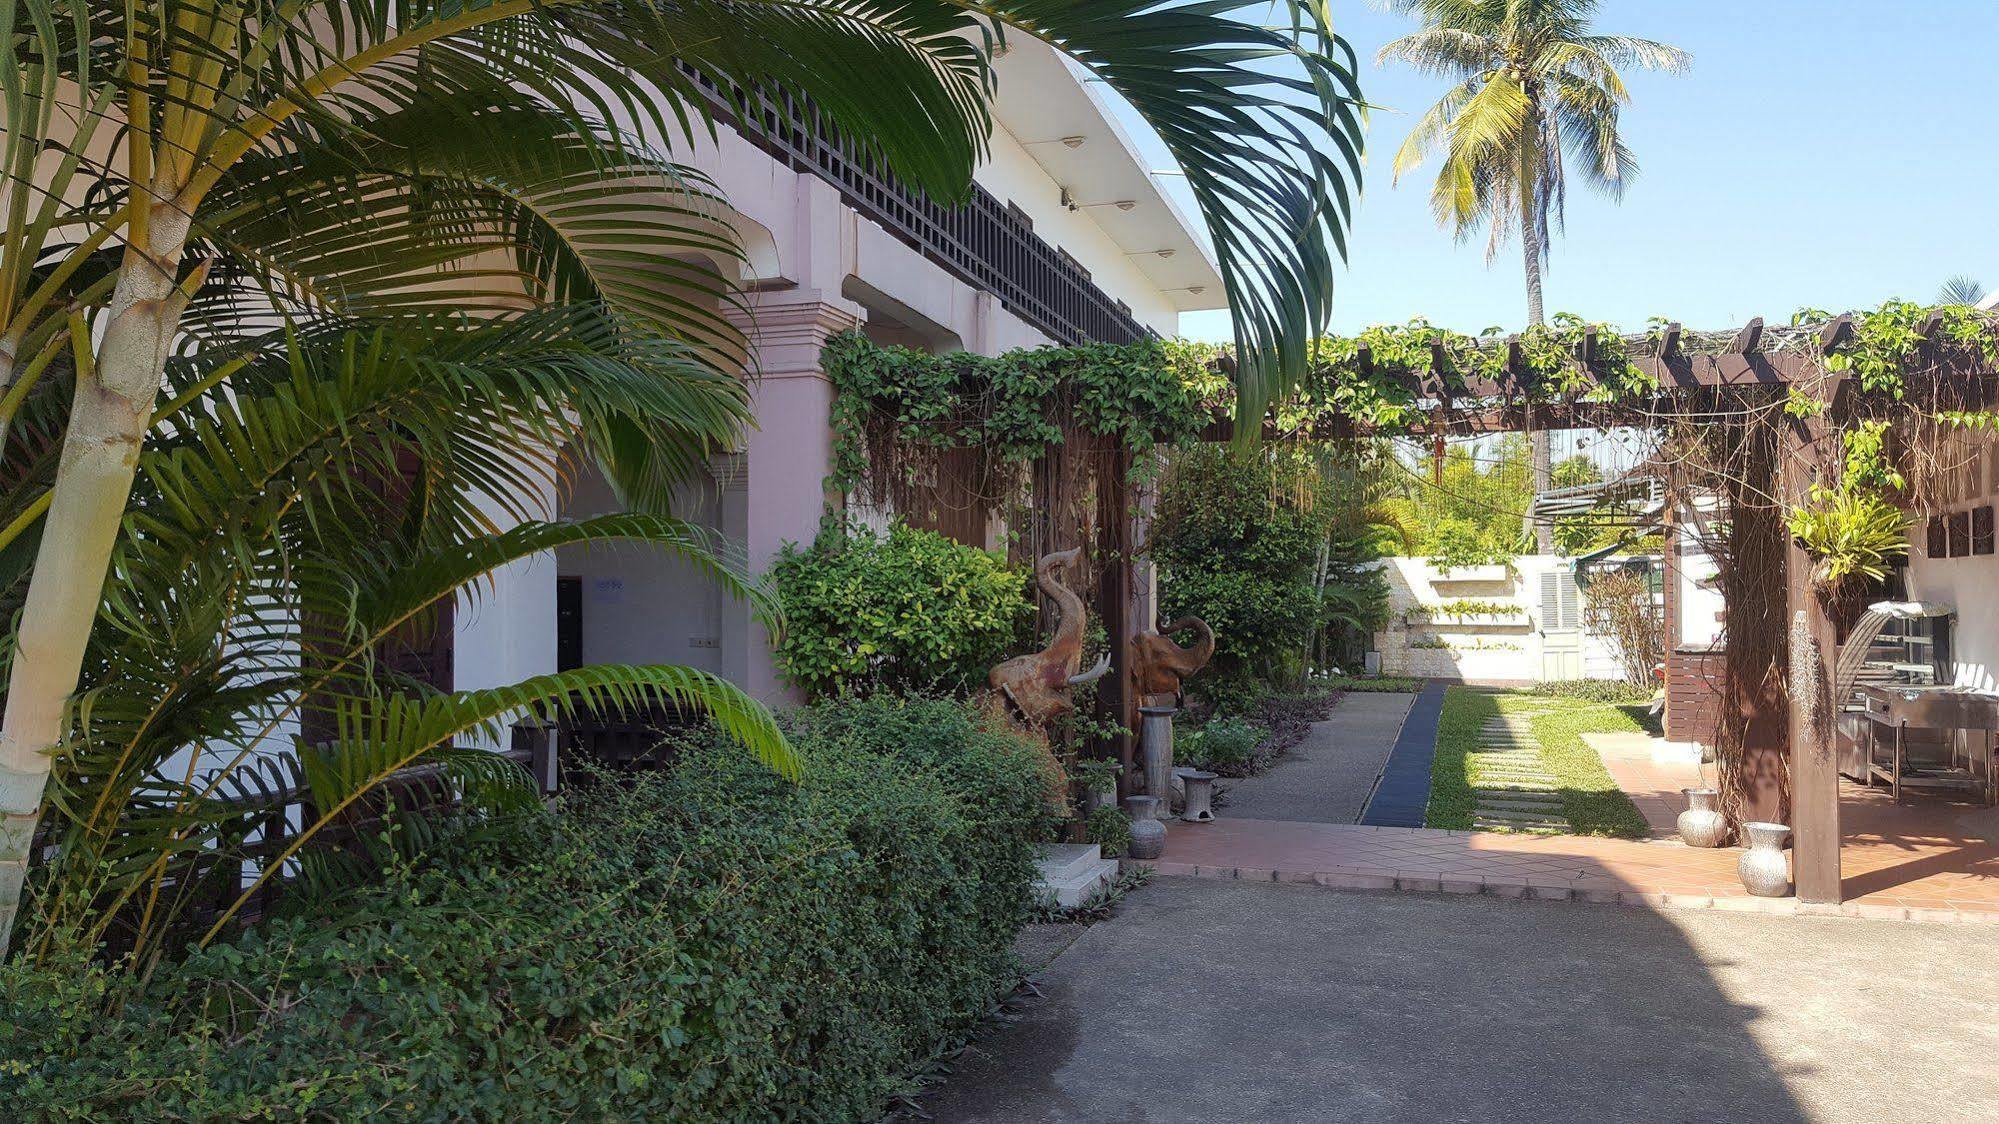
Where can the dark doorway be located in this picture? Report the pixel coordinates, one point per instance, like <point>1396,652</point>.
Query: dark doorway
<point>568,624</point>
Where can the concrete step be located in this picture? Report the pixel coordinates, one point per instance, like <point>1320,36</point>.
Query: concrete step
<point>1058,861</point>
<point>1078,888</point>
<point>1505,825</point>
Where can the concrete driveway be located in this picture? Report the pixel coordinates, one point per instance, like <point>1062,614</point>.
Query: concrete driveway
<point>1206,1000</point>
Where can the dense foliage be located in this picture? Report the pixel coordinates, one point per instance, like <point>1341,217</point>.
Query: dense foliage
<point>1592,690</point>
<point>1109,829</point>
<point>1010,407</point>
<point>291,537</point>
<point>907,610</point>
<point>1236,545</point>
<point>1225,745</point>
<point>710,944</point>
<point>1469,510</point>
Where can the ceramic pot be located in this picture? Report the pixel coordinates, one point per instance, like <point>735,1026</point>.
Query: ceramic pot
<point>1702,824</point>
<point>1148,835</point>
<point>1764,870</point>
<point>1105,797</point>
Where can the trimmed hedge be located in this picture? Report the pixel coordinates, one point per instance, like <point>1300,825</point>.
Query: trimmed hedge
<point>908,611</point>
<point>708,944</point>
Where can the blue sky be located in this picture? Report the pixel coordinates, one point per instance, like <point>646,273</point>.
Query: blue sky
<point>1820,153</point>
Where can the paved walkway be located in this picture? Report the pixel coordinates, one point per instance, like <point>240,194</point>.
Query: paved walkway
<point>1650,774</point>
<point>1327,777</point>
<point>1218,1001</point>
<point>1403,797</point>
<point>1901,875</point>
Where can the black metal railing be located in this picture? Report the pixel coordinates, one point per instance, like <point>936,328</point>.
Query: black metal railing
<point>981,242</point>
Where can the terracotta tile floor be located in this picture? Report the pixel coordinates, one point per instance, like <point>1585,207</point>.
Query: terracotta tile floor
<point>1652,784</point>
<point>1914,862</point>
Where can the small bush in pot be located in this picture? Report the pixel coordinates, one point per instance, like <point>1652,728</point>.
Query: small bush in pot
<point>1108,828</point>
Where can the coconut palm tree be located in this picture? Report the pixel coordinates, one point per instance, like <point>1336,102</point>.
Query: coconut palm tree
<point>1537,90</point>
<point>219,180</point>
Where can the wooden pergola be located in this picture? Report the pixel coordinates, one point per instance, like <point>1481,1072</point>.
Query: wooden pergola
<point>1787,722</point>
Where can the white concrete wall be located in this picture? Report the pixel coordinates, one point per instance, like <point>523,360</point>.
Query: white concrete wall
<point>1521,647</point>
<point>1971,587</point>
<point>641,604</point>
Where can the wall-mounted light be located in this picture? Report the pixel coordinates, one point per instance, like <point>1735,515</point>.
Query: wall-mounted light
<point>1069,201</point>
<point>1073,142</point>
<point>1166,253</point>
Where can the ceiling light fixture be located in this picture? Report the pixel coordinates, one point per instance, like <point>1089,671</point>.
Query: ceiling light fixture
<point>1069,201</point>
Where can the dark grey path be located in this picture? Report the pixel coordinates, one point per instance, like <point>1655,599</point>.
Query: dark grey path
<point>1326,777</point>
<point>1208,1000</point>
<point>1403,797</point>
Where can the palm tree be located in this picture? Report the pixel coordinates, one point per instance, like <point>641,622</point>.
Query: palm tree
<point>218,179</point>
<point>1536,88</point>
<point>1961,288</point>
<point>287,533</point>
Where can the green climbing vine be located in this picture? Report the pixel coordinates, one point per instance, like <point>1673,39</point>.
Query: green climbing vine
<point>1013,407</point>
<point>1856,528</point>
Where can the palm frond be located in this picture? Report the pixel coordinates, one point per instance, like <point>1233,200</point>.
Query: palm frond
<point>1961,288</point>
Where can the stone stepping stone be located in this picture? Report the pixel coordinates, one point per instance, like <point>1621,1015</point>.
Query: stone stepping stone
<point>1500,795</point>
<point>1532,819</point>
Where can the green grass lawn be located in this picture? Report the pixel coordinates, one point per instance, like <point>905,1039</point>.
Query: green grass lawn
<point>1590,799</point>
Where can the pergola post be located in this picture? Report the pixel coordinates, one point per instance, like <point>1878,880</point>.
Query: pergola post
<point>1812,642</point>
<point>1116,559</point>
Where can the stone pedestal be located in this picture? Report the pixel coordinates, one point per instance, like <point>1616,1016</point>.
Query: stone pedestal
<point>1155,738</point>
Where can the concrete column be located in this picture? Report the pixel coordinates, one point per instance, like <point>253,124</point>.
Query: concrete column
<point>774,491</point>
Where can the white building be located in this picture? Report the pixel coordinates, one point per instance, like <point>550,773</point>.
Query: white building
<point>1068,239</point>
<point>1512,623</point>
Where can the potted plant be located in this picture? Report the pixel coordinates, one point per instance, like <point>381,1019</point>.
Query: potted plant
<point>1098,780</point>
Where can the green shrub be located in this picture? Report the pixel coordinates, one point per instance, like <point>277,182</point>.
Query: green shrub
<point>1592,690</point>
<point>907,611</point>
<point>707,944</point>
<point>1224,745</point>
<point>1234,550</point>
<point>1377,683</point>
<point>1108,828</point>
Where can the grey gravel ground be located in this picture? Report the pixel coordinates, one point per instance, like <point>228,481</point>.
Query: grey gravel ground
<point>1326,777</point>
<point>1231,1001</point>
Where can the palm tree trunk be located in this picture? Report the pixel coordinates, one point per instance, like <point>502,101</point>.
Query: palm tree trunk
<point>108,421</point>
<point>1542,462</point>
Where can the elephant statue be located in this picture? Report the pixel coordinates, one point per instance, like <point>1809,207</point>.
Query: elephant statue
<point>1038,684</point>
<point>1160,666</point>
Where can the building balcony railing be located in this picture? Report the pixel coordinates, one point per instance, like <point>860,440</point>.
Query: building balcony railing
<point>982,242</point>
